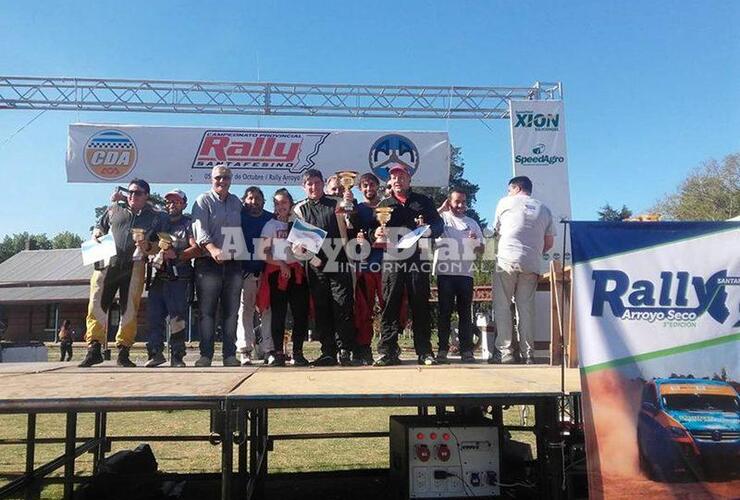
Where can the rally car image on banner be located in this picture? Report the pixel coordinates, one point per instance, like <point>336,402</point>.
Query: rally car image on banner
<point>688,428</point>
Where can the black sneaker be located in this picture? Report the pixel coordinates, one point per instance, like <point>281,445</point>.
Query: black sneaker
<point>345,358</point>
<point>177,361</point>
<point>156,360</point>
<point>442,358</point>
<point>94,356</point>
<point>123,358</point>
<point>363,356</point>
<point>299,359</point>
<point>529,360</point>
<point>387,360</point>
<point>325,360</point>
<point>427,360</point>
<point>276,359</point>
<point>467,358</point>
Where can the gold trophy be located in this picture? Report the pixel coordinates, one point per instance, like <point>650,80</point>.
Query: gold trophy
<point>138,234</point>
<point>383,214</point>
<point>166,241</point>
<point>347,180</point>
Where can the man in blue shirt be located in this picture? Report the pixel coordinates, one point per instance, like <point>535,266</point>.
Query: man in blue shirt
<point>254,218</point>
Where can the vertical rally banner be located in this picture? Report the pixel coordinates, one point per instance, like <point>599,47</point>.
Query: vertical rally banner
<point>538,151</point>
<point>658,315</point>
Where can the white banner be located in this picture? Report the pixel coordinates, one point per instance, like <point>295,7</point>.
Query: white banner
<point>175,155</point>
<point>538,151</point>
<point>658,326</point>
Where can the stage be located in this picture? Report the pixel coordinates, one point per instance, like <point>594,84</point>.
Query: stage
<point>240,398</point>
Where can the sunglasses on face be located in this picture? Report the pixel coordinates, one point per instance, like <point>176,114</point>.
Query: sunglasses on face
<point>136,192</point>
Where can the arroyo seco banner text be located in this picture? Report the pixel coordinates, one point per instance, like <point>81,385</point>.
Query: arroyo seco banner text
<point>173,155</point>
<point>658,330</point>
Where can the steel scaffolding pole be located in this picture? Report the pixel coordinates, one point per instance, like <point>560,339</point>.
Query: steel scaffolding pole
<point>267,99</point>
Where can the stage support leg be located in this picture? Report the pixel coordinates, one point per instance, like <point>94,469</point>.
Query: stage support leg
<point>70,443</point>
<point>253,457</point>
<point>263,445</point>
<point>243,450</point>
<point>101,438</point>
<point>549,449</point>
<point>227,452</point>
<point>33,490</point>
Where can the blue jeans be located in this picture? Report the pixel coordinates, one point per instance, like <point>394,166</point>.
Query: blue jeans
<point>218,284</point>
<point>167,299</point>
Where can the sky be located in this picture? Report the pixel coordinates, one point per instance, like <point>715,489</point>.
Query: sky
<point>650,88</point>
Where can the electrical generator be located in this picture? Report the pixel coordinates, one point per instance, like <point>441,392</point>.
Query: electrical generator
<point>444,457</point>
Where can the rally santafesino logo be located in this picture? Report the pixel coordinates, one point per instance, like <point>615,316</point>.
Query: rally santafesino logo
<point>644,300</point>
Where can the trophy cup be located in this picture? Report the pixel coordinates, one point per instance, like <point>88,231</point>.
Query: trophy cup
<point>347,180</point>
<point>383,214</point>
<point>138,234</point>
<point>166,241</point>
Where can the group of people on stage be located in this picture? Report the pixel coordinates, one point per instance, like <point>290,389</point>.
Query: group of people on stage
<point>339,287</point>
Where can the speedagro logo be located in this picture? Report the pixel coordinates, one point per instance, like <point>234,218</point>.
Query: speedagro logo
<point>259,149</point>
<point>677,297</point>
<point>110,154</point>
<point>538,121</point>
<point>538,158</point>
<point>393,148</point>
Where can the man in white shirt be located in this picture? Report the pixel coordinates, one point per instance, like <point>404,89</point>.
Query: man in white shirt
<point>525,231</point>
<point>454,259</point>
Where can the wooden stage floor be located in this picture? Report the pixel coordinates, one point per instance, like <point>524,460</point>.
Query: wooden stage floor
<point>45,387</point>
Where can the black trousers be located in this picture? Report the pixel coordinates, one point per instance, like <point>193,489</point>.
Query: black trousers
<point>333,301</point>
<point>455,293</point>
<point>65,347</point>
<point>297,296</point>
<point>414,279</point>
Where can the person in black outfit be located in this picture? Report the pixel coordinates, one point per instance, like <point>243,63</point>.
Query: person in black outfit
<point>330,280</point>
<point>406,273</point>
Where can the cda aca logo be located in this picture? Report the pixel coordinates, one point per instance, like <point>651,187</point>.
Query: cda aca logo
<point>675,297</point>
<point>110,154</point>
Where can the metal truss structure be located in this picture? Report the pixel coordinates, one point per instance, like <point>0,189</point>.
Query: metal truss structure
<point>267,99</point>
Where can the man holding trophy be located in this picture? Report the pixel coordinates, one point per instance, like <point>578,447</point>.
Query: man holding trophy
<point>329,277</point>
<point>405,272</point>
<point>169,293</point>
<point>134,226</point>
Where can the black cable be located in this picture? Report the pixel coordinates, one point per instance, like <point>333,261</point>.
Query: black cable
<point>459,462</point>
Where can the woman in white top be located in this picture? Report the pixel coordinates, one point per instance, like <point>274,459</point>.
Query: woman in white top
<point>287,284</point>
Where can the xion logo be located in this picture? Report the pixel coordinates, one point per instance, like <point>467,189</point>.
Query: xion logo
<point>539,121</point>
<point>686,300</point>
<point>259,149</point>
<point>110,154</point>
<point>393,148</point>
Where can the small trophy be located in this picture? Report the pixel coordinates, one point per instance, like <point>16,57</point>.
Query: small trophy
<point>347,180</point>
<point>383,214</point>
<point>166,241</point>
<point>138,234</point>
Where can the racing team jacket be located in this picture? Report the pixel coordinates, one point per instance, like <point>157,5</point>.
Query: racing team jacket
<point>119,220</point>
<point>322,214</point>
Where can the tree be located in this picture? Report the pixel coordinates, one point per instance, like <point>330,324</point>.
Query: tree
<point>66,239</point>
<point>608,214</point>
<point>457,169</point>
<point>12,244</point>
<point>710,192</point>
